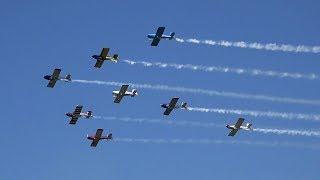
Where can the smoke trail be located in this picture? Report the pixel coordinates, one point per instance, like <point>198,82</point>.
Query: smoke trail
<point>159,121</point>
<point>215,141</point>
<point>208,125</point>
<point>270,114</point>
<point>259,46</point>
<point>205,92</point>
<point>289,132</point>
<point>240,71</point>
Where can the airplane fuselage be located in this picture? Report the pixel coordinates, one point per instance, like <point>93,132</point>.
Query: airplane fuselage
<point>108,137</point>
<point>167,106</point>
<point>127,93</point>
<point>86,115</point>
<point>154,36</point>
<point>232,126</point>
<point>97,57</point>
<point>50,77</point>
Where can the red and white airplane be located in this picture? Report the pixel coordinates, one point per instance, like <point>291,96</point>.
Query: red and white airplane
<point>98,136</point>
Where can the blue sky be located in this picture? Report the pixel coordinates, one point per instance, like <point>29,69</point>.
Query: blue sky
<point>38,36</point>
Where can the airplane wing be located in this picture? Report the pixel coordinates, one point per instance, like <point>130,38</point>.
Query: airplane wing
<point>76,114</point>
<point>239,122</point>
<point>51,83</point>
<point>155,42</point>
<point>233,132</point>
<point>54,78</point>
<point>97,138</point>
<point>157,38</point>
<point>118,99</point>
<point>167,111</point>
<point>122,91</point>
<point>99,63</point>
<point>56,73</point>
<point>104,52</point>
<point>173,102</point>
<point>160,31</point>
<point>73,120</point>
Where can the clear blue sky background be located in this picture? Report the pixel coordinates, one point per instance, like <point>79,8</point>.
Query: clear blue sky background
<point>37,36</point>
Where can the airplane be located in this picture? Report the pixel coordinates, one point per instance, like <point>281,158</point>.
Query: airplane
<point>235,127</point>
<point>55,77</point>
<point>77,113</point>
<point>172,105</point>
<point>123,92</point>
<point>104,56</point>
<point>159,35</point>
<point>98,136</point>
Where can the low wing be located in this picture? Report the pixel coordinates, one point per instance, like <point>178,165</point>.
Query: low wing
<point>56,73</point>
<point>76,114</point>
<point>239,122</point>
<point>54,78</point>
<point>95,143</point>
<point>97,138</point>
<point>99,63</point>
<point>233,132</point>
<point>51,83</point>
<point>167,111</point>
<point>73,120</point>
<point>173,102</point>
<point>104,52</point>
<point>78,110</point>
<point>160,31</point>
<point>155,42</point>
<point>122,91</point>
<point>118,99</point>
<point>158,35</point>
<point>98,133</point>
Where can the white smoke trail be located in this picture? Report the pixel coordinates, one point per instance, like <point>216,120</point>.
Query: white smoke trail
<point>270,114</point>
<point>289,132</point>
<point>208,125</point>
<point>215,141</point>
<point>204,92</point>
<point>240,71</point>
<point>259,46</point>
<point>159,121</point>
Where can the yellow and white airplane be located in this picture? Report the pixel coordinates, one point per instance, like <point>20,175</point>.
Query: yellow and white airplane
<point>104,56</point>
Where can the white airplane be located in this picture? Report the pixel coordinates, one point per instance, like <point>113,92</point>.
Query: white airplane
<point>123,92</point>
<point>98,136</point>
<point>56,77</point>
<point>77,113</point>
<point>235,127</point>
<point>172,105</point>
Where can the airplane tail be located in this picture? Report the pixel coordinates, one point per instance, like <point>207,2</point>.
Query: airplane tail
<point>68,77</point>
<point>115,57</point>
<point>109,136</point>
<point>249,125</point>
<point>89,113</point>
<point>172,35</point>
<point>134,92</point>
<point>184,105</point>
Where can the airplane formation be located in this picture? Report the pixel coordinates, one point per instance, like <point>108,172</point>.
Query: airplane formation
<point>118,95</point>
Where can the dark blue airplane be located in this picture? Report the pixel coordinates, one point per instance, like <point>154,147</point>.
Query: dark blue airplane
<point>172,105</point>
<point>159,35</point>
<point>55,77</point>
